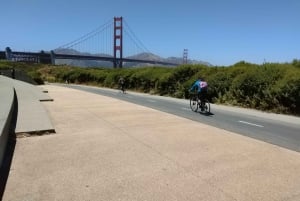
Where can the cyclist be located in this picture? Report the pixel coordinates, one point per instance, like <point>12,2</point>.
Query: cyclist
<point>200,85</point>
<point>122,84</point>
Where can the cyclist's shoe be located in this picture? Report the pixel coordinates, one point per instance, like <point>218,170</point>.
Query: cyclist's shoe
<point>202,108</point>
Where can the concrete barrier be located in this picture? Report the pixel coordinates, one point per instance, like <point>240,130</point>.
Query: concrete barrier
<point>21,111</point>
<point>7,100</point>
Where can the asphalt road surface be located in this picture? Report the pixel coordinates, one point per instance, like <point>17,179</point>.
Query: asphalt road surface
<point>275,131</point>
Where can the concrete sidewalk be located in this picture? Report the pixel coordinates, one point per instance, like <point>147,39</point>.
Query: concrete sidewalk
<point>32,116</point>
<point>107,149</point>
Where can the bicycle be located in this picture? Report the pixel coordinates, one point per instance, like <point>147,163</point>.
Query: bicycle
<point>195,104</point>
<point>122,88</point>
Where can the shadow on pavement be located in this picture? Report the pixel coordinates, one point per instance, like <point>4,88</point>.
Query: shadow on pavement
<point>8,156</point>
<point>206,113</point>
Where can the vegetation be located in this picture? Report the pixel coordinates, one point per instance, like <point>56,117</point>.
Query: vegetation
<point>270,87</point>
<point>23,71</point>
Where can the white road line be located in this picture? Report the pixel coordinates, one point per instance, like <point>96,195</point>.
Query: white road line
<point>184,108</point>
<point>245,122</point>
<point>152,101</point>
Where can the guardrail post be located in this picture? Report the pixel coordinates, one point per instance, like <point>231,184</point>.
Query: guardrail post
<point>8,53</point>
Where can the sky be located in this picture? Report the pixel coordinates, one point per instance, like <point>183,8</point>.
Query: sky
<point>221,32</point>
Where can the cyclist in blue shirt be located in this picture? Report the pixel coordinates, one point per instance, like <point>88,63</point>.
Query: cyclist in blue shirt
<point>195,87</point>
<point>201,87</point>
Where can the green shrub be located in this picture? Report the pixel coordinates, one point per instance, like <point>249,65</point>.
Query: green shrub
<point>286,93</point>
<point>271,86</point>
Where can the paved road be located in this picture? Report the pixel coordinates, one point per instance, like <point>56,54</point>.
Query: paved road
<point>283,131</point>
<point>107,149</point>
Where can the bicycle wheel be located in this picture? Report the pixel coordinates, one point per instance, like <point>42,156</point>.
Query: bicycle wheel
<point>194,103</point>
<point>207,107</point>
<point>122,88</point>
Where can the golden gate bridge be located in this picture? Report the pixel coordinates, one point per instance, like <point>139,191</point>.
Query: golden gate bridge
<point>114,42</point>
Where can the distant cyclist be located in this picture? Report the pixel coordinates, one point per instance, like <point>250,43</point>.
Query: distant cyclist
<point>200,86</point>
<point>122,84</point>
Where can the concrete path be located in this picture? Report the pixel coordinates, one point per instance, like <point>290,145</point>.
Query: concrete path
<point>32,116</point>
<point>106,149</point>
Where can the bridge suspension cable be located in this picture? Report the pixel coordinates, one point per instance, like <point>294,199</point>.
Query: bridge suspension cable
<point>100,42</point>
<point>100,45</point>
<point>136,45</point>
<point>95,42</point>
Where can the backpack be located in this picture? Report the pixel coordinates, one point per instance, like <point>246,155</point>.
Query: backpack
<point>203,85</point>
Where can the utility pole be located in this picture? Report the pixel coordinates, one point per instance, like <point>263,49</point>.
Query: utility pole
<point>185,56</point>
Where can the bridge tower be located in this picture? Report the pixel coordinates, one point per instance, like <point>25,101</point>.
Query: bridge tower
<point>185,56</point>
<point>118,42</point>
